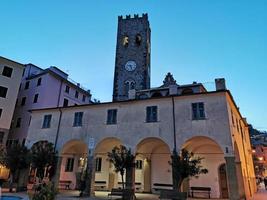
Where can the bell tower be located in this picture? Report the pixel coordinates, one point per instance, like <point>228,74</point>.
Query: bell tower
<point>132,61</point>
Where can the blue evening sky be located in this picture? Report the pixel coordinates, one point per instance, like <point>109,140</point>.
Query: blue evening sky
<point>196,40</point>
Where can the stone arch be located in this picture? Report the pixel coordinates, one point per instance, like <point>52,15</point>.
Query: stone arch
<point>105,176</point>
<point>154,155</point>
<point>212,157</point>
<point>73,162</point>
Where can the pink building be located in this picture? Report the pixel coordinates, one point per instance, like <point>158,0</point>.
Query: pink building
<point>43,88</point>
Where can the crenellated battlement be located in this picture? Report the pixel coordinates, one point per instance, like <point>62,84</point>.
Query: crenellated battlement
<point>135,16</point>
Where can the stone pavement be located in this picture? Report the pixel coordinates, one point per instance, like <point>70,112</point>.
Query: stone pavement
<point>261,194</point>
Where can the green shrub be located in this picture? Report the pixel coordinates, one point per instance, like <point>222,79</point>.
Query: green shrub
<point>45,192</point>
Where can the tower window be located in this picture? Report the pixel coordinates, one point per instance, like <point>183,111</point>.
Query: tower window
<point>125,41</point>
<point>84,97</point>
<point>1,110</point>
<point>138,39</point>
<point>129,85</point>
<point>7,71</point>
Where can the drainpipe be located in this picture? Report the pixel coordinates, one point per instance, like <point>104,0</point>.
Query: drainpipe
<point>60,115</point>
<point>58,127</point>
<point>174,126</point>
<point>59,94</point>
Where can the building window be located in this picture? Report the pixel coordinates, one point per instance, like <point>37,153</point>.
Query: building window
<point>76,94</point>
<point>1,110</point>
<point>98,164</point>
<point>7,71</point>
<point>198,111</point>
<point>23,101</point>
<point>112,116</point>
<point>1,136</point>
<point>78,118</point>
<point>84,97</point>
<point>139,164</point>
<point>47,121</point>
<point>3,91</point>
<point>69,165</point>
<point>18,123</point>
<point>138,39</point>
<point>65,102</point>
<point>27,85</point>
<point>151,114</point>
<point>67,89</point>
<point>35,98</point>
<point>39,81</point>
<point>125,41</point>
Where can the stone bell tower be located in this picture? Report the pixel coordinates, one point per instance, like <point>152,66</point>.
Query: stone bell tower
<point>132,61</point>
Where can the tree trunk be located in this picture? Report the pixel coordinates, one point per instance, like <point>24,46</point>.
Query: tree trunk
<point>122,180</point>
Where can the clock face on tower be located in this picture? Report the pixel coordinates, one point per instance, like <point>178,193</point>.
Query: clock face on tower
<point>130,66</point>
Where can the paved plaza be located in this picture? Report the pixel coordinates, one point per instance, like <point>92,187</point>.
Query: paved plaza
<point>67,195</point>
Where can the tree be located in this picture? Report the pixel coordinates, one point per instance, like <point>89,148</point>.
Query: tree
<point>43,157</point>
<point>122,159</point>
<point>184,166</point>
<point>15,158</point>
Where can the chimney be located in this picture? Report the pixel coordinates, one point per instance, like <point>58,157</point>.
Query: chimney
<point>220,84</point>
<point>131,94</point>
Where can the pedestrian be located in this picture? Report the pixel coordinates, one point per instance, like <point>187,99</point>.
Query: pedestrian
<point>265,182</point>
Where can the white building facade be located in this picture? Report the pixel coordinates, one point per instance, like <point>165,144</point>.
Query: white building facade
<point>43,89</point>
<point>10,77</point>
<point>214,136</point>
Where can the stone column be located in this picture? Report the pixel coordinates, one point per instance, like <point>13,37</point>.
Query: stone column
<point>56,177</point>
<point>232,179</point>
<point>240,179</point>
<point>147,176</point>
<point>90,176</point>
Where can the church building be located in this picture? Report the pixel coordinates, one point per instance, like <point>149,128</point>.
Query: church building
<point>152,122</point>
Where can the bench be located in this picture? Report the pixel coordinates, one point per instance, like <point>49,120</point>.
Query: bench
<point>65,184</point>
<point>205,190</point>
<point>161,186</point>
<point>100,185</point>
<point>172,194</point>
<point>115,192</point>
<point>138,185</point>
